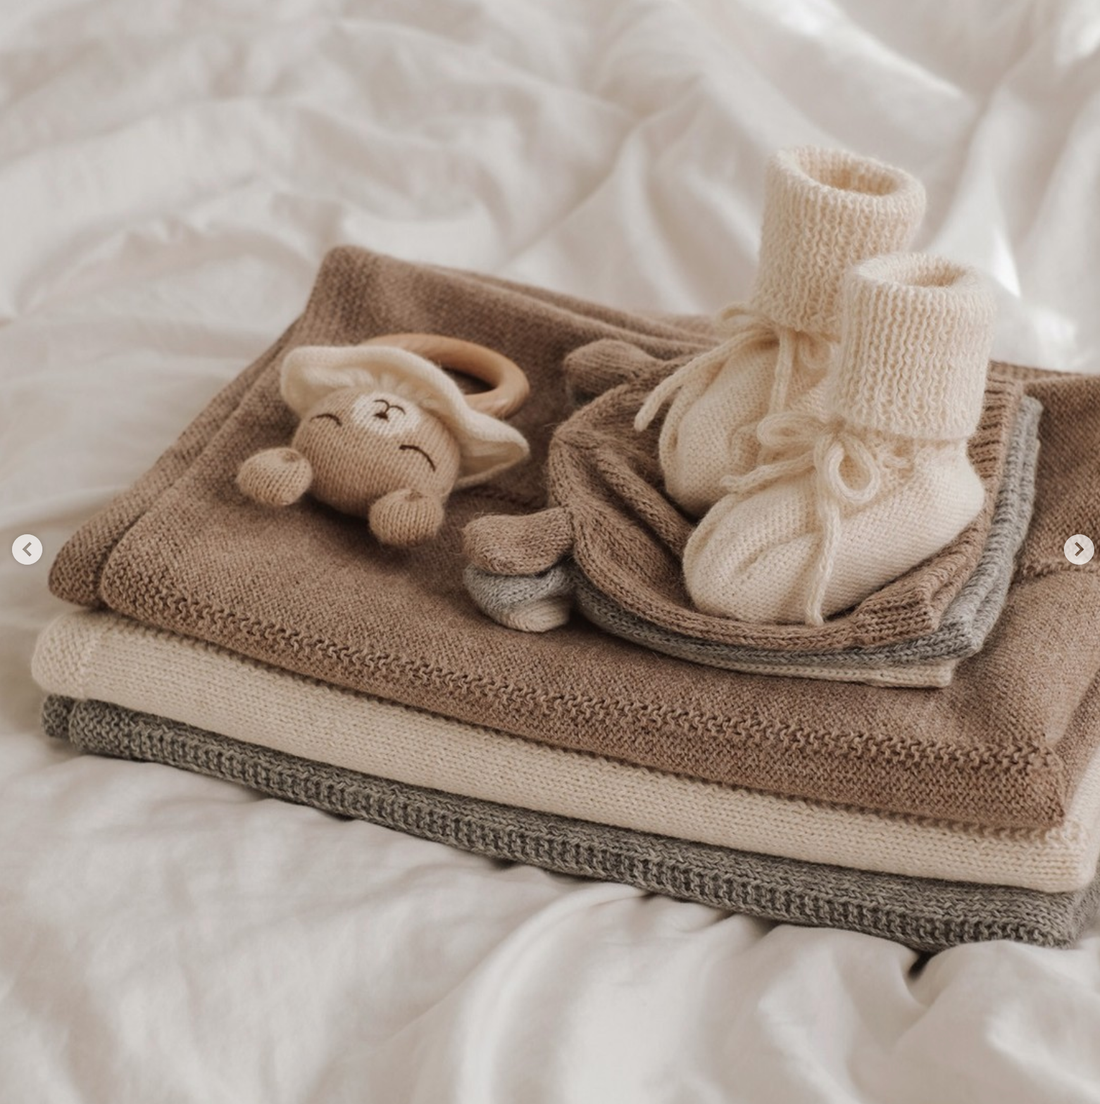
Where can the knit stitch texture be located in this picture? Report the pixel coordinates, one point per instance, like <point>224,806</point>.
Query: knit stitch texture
<point>537,602</point>
<point>824,211</point>
<point>92,655</point>
<point>921,913</point>
<point>855,495</point>
<point>629,539</point>
<point>303,591</point>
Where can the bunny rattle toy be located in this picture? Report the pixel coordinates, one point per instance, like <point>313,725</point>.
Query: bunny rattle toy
<point>385,434</point>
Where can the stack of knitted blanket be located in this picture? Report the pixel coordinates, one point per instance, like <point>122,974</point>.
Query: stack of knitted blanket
<point>289,650</point>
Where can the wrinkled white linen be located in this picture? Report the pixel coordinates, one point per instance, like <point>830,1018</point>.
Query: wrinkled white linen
<point>170,175</point>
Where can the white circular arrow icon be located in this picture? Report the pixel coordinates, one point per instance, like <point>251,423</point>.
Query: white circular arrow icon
<point>26,548</point>
<point>1078,549</point>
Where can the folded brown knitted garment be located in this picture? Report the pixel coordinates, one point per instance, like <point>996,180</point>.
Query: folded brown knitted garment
<point>925,913</point>
<point>521,600</point>
<point>309,590</point>
<point>628,538</point>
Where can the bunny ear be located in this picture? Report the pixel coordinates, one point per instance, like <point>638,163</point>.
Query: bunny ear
<point>486,444</point>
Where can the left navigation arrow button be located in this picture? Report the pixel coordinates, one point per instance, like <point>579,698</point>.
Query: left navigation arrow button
<point>27,549</point>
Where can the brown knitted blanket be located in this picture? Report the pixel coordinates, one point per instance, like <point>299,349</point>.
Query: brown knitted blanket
<point>309,590</point>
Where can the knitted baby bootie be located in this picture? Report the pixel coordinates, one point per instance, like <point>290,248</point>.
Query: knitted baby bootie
<point>858,499</point>
<point>824,211</point>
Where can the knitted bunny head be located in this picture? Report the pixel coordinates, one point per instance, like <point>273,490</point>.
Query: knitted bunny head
<point>384,434</point>
<point>364,444</point>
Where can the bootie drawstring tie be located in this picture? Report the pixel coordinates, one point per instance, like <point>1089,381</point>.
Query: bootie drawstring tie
<point>848,472</point>
<point>745,328</point>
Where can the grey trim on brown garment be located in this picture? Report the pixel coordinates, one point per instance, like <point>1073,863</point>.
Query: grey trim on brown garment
<point>965,626</point>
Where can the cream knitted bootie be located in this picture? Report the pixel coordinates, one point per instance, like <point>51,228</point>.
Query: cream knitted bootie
<point>824,211</point>
<point>857,500</point>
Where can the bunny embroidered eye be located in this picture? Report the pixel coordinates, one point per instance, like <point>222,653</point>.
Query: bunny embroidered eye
<point>332,416</point>
<point>417,448</point>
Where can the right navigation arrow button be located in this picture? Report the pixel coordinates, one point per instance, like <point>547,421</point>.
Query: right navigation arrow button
<point>1078,549</point>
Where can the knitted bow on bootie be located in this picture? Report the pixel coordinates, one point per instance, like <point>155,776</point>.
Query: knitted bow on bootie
<point>847,468</point>
<point>800,360</point>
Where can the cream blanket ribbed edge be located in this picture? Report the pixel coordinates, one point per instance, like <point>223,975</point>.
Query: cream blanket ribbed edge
<point>105,656</point>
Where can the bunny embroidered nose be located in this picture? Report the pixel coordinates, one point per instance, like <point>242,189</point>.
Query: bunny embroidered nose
<point>385,413</point>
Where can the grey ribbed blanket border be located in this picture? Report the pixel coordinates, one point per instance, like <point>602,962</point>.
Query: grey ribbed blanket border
<point>925,914</point>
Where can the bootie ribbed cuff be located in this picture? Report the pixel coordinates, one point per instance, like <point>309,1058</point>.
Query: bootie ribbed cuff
<point>914,347</point>
<point>824,211</point>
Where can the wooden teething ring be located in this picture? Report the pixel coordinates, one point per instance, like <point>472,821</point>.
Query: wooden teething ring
<point>508,386</point>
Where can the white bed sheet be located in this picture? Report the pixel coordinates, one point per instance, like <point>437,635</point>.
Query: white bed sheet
<point>170,175</point>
